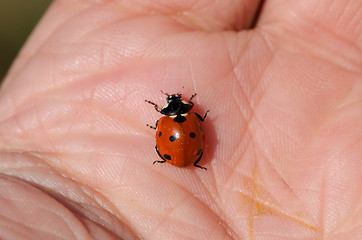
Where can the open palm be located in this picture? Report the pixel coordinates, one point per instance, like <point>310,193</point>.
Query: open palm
<point>283,85</point>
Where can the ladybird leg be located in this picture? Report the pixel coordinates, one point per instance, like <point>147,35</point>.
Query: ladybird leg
<point>151,126</point>
<point>197,161</point>
<point>154,104</point>
<point>202,118</point>
<point>193,95</point>
<point>159,154</point>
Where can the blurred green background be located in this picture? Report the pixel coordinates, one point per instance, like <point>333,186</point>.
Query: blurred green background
<point>17,20</point>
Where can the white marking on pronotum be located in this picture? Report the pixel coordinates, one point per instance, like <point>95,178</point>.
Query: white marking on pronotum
<point>165,106</point>
<point>184,114</point>
<point>184,102</point>
<point>173,116</point>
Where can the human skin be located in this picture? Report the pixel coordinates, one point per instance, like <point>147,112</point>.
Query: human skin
<point>283,148</point>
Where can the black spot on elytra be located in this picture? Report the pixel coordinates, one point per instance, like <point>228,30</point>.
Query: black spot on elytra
<point>179,119</point>
<point>160,134</point>
<point>173,138</point>
<point>167,157</point>
<point>192,135</point>
<point>199,152</point>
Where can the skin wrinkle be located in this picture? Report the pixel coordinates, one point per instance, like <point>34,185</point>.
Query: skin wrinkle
<point>41,207</point>
<point>343,223</point>
<point>39,123</point>
<point>266,156</point>
<point>344,10</point>
<point>40,48</point>
<point>71,205</point>
<point>239,143</point>
<point>355,18</point>
<point>284,132</point>
<point>318,51</point>
<point>317,126</point>
<point>73,123</point>
<point>26,54</point>
<point>262,201</point>
<point>340,16</point>
<point>236,100</point>
<point>237,163</point>
<point>6,220</point>
<point>241,87</point>
<point>82,218</point>
<point>258,10</point>
<point>166,217</point>
<point>262,73</point>
<point>322,206</point>
<point>185,15</point>
<point>219,213</point>
<point>192,75</point>
<point>323,199</point>
<point>182,16</point>
<point>222,216</point>
<point>227,228</point>
<point>216,223</point>
<point>283,180</point>
<point>276,208</point>
<point>20,126</point>
<point>87,36</point>
<point>50,93</point>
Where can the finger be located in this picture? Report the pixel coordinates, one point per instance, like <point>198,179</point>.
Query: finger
<point>320,25</point>
<point>203,14</point>
<point>104,26</point>
<point>181,15</point>
<point>340,17</point>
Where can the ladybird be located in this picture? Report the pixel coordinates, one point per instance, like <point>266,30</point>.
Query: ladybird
<point>179,136</point>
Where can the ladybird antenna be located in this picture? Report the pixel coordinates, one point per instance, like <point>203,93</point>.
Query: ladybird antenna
<point>165,93</point>
<point>179,92</point>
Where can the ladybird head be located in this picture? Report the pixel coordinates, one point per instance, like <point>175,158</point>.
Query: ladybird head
<point>174,98</point>
<point>175,105</point>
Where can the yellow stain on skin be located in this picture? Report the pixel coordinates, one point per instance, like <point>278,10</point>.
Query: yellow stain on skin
<point>260,203</point>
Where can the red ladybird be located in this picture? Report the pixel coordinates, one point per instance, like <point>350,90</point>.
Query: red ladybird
<point>179,135</point>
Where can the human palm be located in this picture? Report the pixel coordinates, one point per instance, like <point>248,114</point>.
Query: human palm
<point>283,147</point>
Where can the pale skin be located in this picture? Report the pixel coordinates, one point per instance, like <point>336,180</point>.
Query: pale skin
<point>283,149</point>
